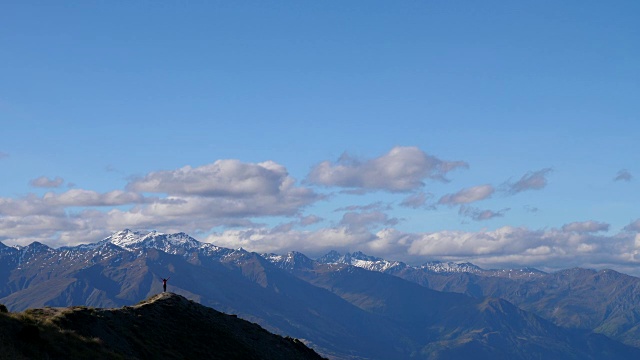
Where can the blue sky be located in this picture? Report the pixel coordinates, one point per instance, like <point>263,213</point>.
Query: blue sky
<point>502,133</point>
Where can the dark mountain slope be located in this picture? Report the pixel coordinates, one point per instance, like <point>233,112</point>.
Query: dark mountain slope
<point>605,301</point>
<point>166,326</point>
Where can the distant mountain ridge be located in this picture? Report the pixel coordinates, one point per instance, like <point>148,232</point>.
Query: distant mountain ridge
<point>169,243</point>
<point>364,261</point>
<point>340,310</point>
<point>574,298</point>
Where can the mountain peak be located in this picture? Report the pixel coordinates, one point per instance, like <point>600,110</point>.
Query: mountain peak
<point>177,243</point>
<point>451,267</point>
<point>330,257</point>
<point>292,260</point>
<point>166,298</point>
<point>36,246</point>
<point>126,238</point>
<point>359,255</point>
<point>360,259</point>
<point>4,248</point>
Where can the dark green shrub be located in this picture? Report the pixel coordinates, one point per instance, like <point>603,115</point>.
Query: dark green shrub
<point>3,309</point>
<point>29,333</point>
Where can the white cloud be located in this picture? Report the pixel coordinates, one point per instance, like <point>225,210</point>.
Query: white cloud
<point>379,205</point>
<point>415,201</point>
<point>534,180</point>
<point>623,175</point>
<point>586,227</point>
<point>469,244</point>
<point>289,204</point>
<point>225,193</point>
<point>226,188</point>
<point>223,178</point>
<point>509,246</point>
<point>310,220</point>
<point>469,195</point>
<point>310,242</point>
<point>633,226</point>
<point>29,205</point>
<point>54,230</point>
<point>45,182</point>
<point>401,169</point>
<point>479,214</point>
<point>365,220</point>
<point>55,204</point>
<point>80,197</point>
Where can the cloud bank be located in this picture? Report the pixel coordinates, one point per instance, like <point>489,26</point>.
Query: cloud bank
<point>415,201</point>
<point>228,202</point>
<point>469,195</point>
<point>550,249</point>
<point>479,214</point>
<point>402,169</point>
<point>45,182</point>
<point>623,175</point>
<point>586,227</point>
<point>534,180</point>
<point>224,193</point>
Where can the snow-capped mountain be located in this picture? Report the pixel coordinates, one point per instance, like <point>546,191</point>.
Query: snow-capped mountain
<point>290,261</point>
<point>451,267</point>
<point>361,260</point>
<point>373,263</point>
<point>175,244</point>
<point>169,243</point>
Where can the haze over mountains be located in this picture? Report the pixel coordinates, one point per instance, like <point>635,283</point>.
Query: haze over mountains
<point>345,306</point>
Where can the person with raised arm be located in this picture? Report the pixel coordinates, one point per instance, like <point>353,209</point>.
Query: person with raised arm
<point>164,284</point>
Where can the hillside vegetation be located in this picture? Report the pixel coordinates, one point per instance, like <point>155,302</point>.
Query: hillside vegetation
<point>165,326</point>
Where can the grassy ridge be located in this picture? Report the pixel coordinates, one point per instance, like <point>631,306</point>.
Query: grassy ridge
<point>165,326</point>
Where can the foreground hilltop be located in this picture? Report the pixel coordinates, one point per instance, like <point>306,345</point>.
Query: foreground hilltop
<point>166,326</point>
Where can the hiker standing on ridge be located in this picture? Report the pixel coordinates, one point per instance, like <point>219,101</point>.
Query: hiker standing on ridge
<point>164,284</point>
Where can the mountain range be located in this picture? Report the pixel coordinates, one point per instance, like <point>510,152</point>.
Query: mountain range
<point>349,306</point>
<point>605,301</point>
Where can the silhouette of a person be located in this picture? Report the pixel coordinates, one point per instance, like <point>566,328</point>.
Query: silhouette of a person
<point>164,284</point>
